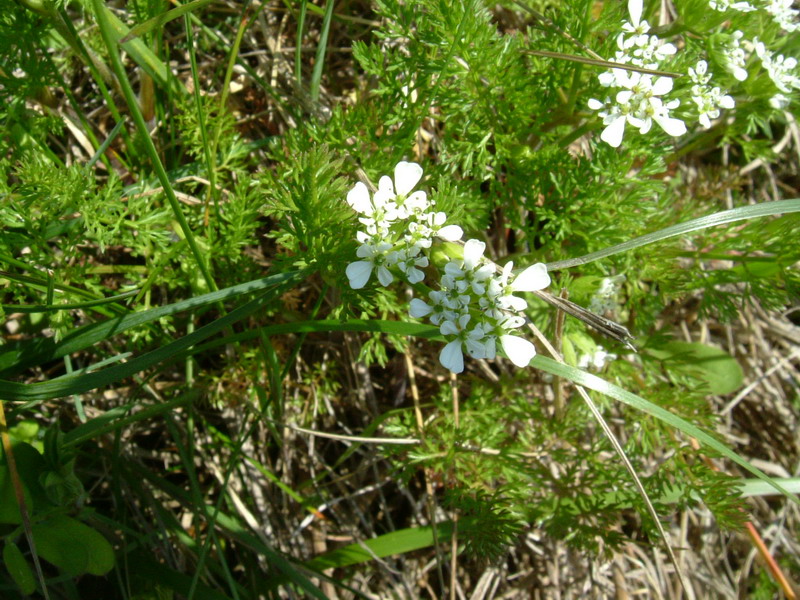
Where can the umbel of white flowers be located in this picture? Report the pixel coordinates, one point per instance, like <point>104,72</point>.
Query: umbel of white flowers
<point>474,306</point>
<point>638,103</point>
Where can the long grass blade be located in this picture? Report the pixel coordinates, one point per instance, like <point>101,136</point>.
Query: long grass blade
<point>316,75</point>
<point>742,213</point>
<point>160,20</point>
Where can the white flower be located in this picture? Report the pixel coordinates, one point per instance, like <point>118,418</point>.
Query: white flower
<point>596,360</point>
<point>783,14</point>
<point>638,105</point>
<point>651,54</point>
<point>438,311</point>
<point>779,101</point>
<point>699,74</point>
<point>449,233</point>
<point>735,56</point>
<point>724,5</point>
<point>779,68</point>
<point>636,26</point>
<point>407,260</point>
<point>406,176</point>
<point>708,100</point>
<point>605,298</point>
<point>376,257</point>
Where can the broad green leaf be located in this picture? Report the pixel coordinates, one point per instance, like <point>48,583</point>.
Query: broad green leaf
<point>72,546</point>
<point>18,568</point>
<point>717,368</point>
<point>30,465</point>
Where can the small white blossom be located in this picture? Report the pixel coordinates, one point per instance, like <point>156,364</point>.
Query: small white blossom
<point>779,101</point>
<point>636,26</point>
<point>724,5</point>
<point>409,262</point>
<point>735,56</point>
<point>605,298</point>
<point>406,176</point>
<point>708,100</point>
<point>376,258</point>
<point>639,105</point>
<point>596,360</point>
<point>784,14</point>
<point>779,67</point>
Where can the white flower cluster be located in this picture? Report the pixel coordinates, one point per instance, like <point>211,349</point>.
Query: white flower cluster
<point>784,14</point>
<point>596,360</point>
<point>637,103</point>
<point>399,226</point>
<point>725,5</point>
<point>604,300</point>
<point>708,99</point>
<point>735,56</point>
<point>475,307</point>
<point>781,70</point>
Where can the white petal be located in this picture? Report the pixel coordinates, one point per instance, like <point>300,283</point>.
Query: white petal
<point>384,276</point>
<point>645,125</point>
<point>624,96</point>
<point>358,273</point>
<point>612,135</point>
<point>519,350</point>
<point>473,250</point>
<point>662,86</point>
<point>606,79</point>
<point>635,11</point>
<point>406,176</point>
<point>417,201</point>
<point>448,328</point>
<point>531,279</point>
<point>385,191</point>
<point>358,199</point>
<point>595,104</point>
<point>450,233</point>
<point>415,275</point>
<point>451,357</point>
<point>673,127</point>
<point>513,303</point>
<point>419,308</point>
<point>476,348</point>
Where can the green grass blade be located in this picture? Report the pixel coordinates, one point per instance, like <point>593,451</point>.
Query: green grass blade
<point>390,544</point>
<point>136,48</point>
<point>298,46</point>
<point>41,350</point>
<point>104,146</point>
<point>78,384</point>
<point>319,63</point>
<point>160,20</point>
<point>41,308</point>
<point>755,211</point>
<point>609,389</point>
